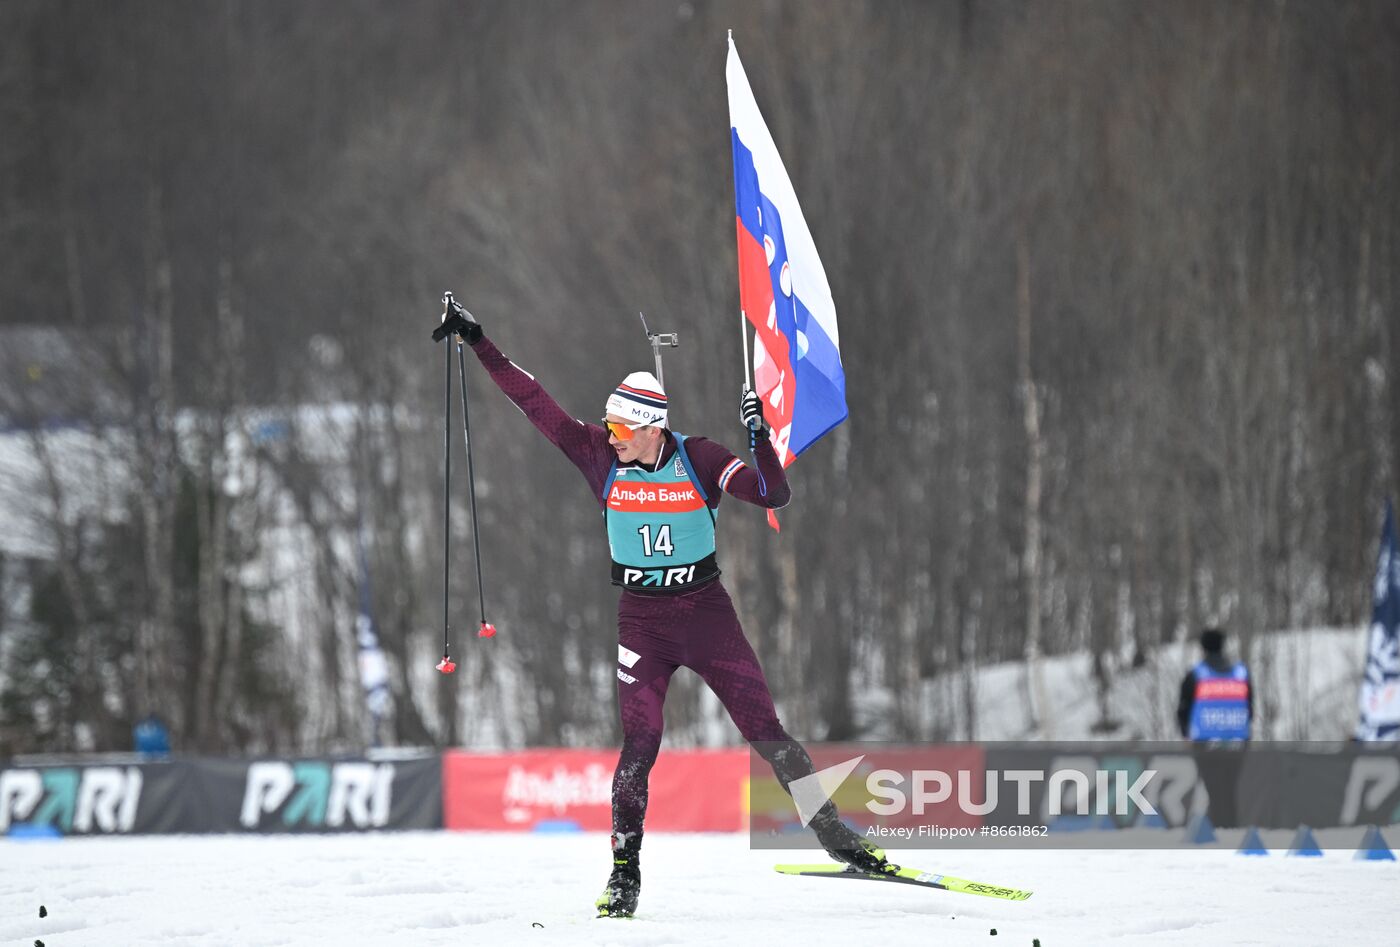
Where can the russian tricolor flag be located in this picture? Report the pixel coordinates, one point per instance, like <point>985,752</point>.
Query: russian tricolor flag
<point>782,287</point>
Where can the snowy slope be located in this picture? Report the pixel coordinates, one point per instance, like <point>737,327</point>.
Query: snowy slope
<point>1306,683</point>
<point>457,888</point>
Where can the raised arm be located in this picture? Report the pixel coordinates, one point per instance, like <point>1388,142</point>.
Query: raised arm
<point>586,445</point>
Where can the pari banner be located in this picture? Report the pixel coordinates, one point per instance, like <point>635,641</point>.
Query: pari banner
<point>571,790</point>
<point>1075,795</point>
<point>321,795</point>
<point>108,799</point>
<point>199,795</point>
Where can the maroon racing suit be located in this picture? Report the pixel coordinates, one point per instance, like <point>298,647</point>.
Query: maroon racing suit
<point>659,632</point>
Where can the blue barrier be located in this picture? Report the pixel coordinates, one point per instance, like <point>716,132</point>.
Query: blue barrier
<point>1252,844</point>
<point>1304,845</point>
<point>556,826</point>
<point>1200,831</point>
<point>29,832</point>
<point>1373,847</point>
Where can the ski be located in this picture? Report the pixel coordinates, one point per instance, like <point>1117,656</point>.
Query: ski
<point>908,876</point>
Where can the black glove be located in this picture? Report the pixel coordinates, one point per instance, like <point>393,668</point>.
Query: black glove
<point>751,412</point>
<point>458,320</point>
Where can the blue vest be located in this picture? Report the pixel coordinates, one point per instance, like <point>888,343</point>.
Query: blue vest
<point>1221,707</point>
<point>151,737</point>
<point>661,530</point>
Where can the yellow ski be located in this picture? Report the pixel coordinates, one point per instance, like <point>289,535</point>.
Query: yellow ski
<point>908,876</point>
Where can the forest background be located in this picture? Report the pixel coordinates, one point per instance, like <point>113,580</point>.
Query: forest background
<point>1116,285</point>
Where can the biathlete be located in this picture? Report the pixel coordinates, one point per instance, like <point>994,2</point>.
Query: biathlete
<point>660,492</point>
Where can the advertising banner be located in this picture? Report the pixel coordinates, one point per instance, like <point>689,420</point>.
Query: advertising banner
<point>211,795</point>
<point>542,790</point>
<point>95,799</point>
<point>322,795</point>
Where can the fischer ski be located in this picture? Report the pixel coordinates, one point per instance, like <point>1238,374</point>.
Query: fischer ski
<point>908,876</point>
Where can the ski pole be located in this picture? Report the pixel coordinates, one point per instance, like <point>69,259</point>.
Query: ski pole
<point>446,665</point>
<point>487,630</point>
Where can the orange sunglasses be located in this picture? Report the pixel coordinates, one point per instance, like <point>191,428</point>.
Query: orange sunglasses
<point>620,430</point>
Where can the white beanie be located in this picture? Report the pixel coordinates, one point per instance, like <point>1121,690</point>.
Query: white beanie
<point>639,399</point>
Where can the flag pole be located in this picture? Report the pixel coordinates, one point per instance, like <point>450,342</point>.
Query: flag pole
<point>747,385</point>
<point>743,319</point>
<point>744,334</point>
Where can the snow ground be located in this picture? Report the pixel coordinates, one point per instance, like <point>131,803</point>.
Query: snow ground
<point>430,888</point>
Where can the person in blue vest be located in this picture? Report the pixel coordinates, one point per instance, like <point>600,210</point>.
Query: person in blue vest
<point>1217,701</point>
<point>1215,711</point>
<point>659,492</point>
<point>150,737</point>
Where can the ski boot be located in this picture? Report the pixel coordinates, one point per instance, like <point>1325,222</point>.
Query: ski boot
<point>619,898</point>
<point>844,844</point>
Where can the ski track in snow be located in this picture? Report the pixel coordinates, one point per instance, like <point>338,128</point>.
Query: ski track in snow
<point>426,888</point>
